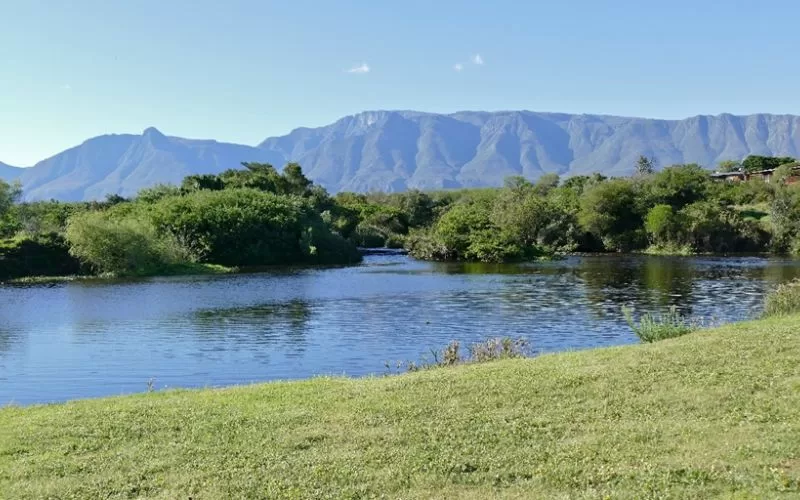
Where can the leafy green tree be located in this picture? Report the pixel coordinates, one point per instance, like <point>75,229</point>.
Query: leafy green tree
<point>679,185</point>
<point>295,181</point>
<point>155,193</point>
<point>9,194</point>
<point>418,208</point>
<point>546,183</point>
<point>610,212</point>
<point>755,163</point>
<point>467,232</point>
<point>785,220</point>
<point>726,166</point>
<point>785,171</point>
<point>199,182</point>
<point>580,183</point>
<point>713,228</point>
<point>663,225</point>
<point>645,165</point>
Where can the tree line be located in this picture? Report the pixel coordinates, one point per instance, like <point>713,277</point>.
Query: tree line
<point>258,216</point>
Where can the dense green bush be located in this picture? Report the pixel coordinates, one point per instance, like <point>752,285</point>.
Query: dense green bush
<point>40,255</point>
<point>612,212</point>
<point>246,227</point>
<point>122,246</point>
<point>466,232</point>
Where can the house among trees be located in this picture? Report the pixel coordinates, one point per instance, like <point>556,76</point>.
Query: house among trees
<point>763,168</point>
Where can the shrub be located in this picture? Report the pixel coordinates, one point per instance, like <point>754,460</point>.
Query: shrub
<point>469,231</point>
<point>652,328</point>
<point>247,227</point>
<point>125,246</point>
<point>783,300</point>
<point>499,348</point>
<point>41,255</point>
<point>481,352</point>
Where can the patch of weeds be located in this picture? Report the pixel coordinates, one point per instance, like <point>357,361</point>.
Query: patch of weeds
<point>655,327</point>
<point>481,352</point>
<point>784,300</point>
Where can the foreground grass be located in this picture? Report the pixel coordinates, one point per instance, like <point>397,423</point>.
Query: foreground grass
<point>711,414</point>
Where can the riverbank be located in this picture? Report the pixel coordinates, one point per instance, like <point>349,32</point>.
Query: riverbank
<point>183,269</point>
<point>715,413</point>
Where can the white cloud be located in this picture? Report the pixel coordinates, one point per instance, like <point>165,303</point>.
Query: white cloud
<point>66,86</point>
<point>477,59</point>
<point>458,66</point>
<point>360,69</point>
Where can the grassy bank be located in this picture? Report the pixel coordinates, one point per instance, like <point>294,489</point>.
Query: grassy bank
<point>711,414</point>
<point>182,269</point>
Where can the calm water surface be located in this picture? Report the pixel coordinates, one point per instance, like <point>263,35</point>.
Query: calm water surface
<point>82,340</point>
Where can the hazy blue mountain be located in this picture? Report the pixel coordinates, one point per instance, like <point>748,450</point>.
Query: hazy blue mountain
<point>392,151</point>
<point>124,164</point>
<point>397,150</point>
<point>9,173</point>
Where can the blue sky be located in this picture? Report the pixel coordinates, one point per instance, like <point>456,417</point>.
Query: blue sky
<point>243,70</point>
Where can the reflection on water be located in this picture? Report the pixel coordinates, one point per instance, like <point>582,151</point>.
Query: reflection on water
<point>92,339</point>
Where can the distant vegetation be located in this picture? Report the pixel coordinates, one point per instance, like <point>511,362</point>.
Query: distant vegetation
<point>259,216</point>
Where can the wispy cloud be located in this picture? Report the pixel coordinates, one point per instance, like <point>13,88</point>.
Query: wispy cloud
<point>66,86</point>
<point>458,67</point>
<point>360,69</point>
<point>477,59</point>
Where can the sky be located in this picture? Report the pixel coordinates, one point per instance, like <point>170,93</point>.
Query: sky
<point>244,70</point>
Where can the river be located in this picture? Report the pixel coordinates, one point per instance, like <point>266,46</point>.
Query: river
<point>90,339</point>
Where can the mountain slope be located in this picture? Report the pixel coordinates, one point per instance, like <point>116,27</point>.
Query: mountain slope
<point>124,164</point>
<point>9,173</point>
<point>397,150</point>
<point>392,151</point>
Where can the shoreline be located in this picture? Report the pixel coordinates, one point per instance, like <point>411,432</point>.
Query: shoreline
<point>217,269</point>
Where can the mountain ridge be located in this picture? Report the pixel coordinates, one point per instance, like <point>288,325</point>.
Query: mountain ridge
<point>9,172</point>
<point>402,149</point>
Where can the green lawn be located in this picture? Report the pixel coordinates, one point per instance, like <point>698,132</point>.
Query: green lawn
<point>712,414</point>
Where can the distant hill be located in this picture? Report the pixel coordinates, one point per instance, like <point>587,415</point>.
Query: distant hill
<point>124,164</point>
<point>9,173</point>
<point>398,150</point>
<point>392,151</point>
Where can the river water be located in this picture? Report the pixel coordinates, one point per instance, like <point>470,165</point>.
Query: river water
<point>90,339</point>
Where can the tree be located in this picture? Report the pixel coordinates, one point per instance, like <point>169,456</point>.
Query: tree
<point>610,212</point>
<point>645,165</point>
<point>546,184</point>
<point>783,172</point>
<point>726,166</point>
<point>296,182</point>
<point>662,225</point>
<point>418,208</point>
<point>241,227</point>
<point>755,163</point>
<point>202,181</point>
<point>9,194</point>
<point>785,219</point>
<point>679,185</point>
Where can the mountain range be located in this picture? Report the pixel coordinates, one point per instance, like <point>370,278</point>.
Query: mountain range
<point>398,150</point>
